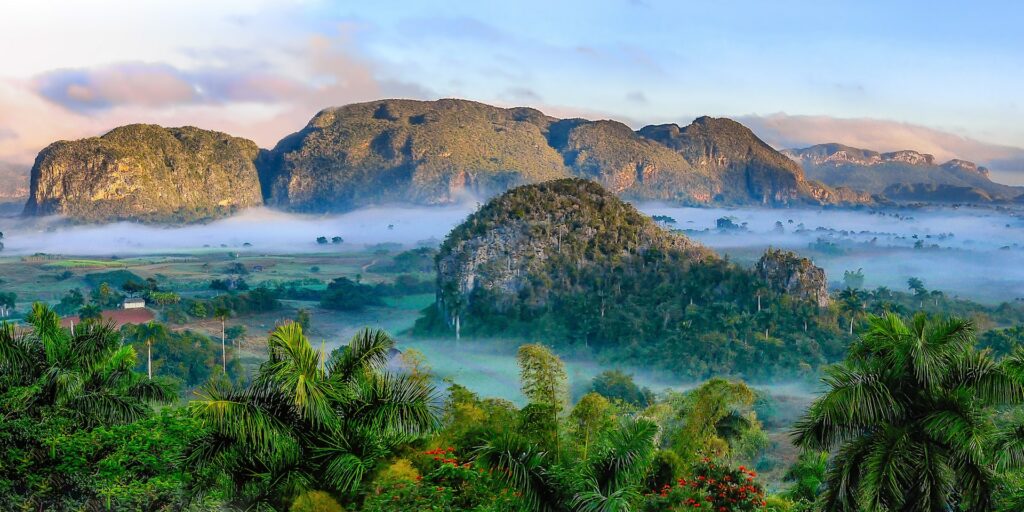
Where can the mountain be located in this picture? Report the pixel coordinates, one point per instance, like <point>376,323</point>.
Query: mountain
<point>414,152</point>
<point>146,173</point>
<point>435,152</point>
<point>570,263</point>
<point>13,182</point>
<point>901,175</point>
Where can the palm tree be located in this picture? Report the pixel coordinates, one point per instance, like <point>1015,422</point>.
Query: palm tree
<point>150,331</point>
<point>222,313</point>
<point>87,375</point>
<point>911,414</point>
<point>851,302</point>
<point>304,424</point>
<point>807,475</point>
<point>609,480</point>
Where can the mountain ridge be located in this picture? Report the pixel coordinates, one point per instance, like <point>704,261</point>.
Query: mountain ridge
<point>901,175</point>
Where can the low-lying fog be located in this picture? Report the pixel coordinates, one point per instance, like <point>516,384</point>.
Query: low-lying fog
<point>977,253</point>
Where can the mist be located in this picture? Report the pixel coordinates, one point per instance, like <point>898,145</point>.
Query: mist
<point>266,231</point>
<point>973,253</point>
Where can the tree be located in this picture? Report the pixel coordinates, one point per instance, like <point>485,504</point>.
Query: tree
<point>337,240</point>
<point>854,278</point>
<point>590,417</point>
<point>917,286</point>
<point>303,318</point>
<point>718,418</point>
<point>344,294</point>
<point>807,475</point>
<point>86,375</point>
<point>851,302</point>
<point>545,384</point>
<point>150,332</point>
<point>321,240</point>
<point>608,480</point>
<point>7,301</point>
<point>617,385</point>
<point>910,412</point>
<point>222,313</point>
<point>305,424</point>
<point>90,312</point>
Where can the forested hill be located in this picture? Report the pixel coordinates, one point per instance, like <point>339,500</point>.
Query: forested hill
<point>569,263</point>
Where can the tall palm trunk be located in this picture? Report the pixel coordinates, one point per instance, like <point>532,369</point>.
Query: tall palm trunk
<point>149,359</point>
<point>223,350</point>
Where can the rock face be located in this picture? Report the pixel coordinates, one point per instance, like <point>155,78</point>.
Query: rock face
<point>146,173</point>
<point>408,151</point>
<point>436,152</point>
<point>516,239</point>
<point>745,167</point>
<point>901,175</point>
<point>789,273</point>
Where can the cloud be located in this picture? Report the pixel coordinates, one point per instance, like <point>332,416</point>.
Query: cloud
<point>794,131</point>
<point>159,85</point>
<point>117,84</point>
<point>252,99</point>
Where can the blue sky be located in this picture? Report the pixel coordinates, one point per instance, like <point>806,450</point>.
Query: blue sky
<point>941,77</point>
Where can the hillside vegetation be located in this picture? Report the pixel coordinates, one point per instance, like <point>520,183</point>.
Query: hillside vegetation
<point>433,152</point>
<point>146,173</point>
<point>569,263</point>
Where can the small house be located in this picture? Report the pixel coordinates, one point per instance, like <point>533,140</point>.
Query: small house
<point>133,303</point>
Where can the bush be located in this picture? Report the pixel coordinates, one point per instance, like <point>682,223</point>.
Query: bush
<point>344,294</point>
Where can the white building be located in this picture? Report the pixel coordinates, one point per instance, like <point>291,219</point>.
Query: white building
<point>134,303</point>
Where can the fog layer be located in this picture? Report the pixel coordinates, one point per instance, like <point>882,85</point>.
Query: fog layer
<point>975,253</point>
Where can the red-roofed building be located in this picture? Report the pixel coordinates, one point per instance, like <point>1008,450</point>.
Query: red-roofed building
<point>118,317</point>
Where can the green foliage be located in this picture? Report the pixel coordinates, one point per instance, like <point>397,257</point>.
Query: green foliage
<point>448,483</point>
<point>807,475</point>
<point>187,356</point>
<point>70,302</point>
<point>911,413</point>
<point>717,420</point>
<point>618,385</point>
<point>309,424</point>
<point>179,175</point>
<point>344,294</point>
<point>113,278</point>
<point>77,425</point>
<point>608,278</point>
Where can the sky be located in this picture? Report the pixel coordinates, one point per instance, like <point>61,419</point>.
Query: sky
<point>941,77</point>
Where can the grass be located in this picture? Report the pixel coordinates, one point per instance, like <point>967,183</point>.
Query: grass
<point>67,264</point>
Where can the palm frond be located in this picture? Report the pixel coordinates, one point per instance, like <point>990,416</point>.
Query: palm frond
<point>520,464</point>
<point>238,417</point>
<point>628,452</point>
<point>368,350</point>
<point>398,402</point>
<point>294,369</point>
<point>593,500</point>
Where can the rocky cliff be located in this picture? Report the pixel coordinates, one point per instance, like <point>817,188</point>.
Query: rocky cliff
<point>436,152</point>
<point>788,273</point>
<point>146,173</point>
<point>901,175</point>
